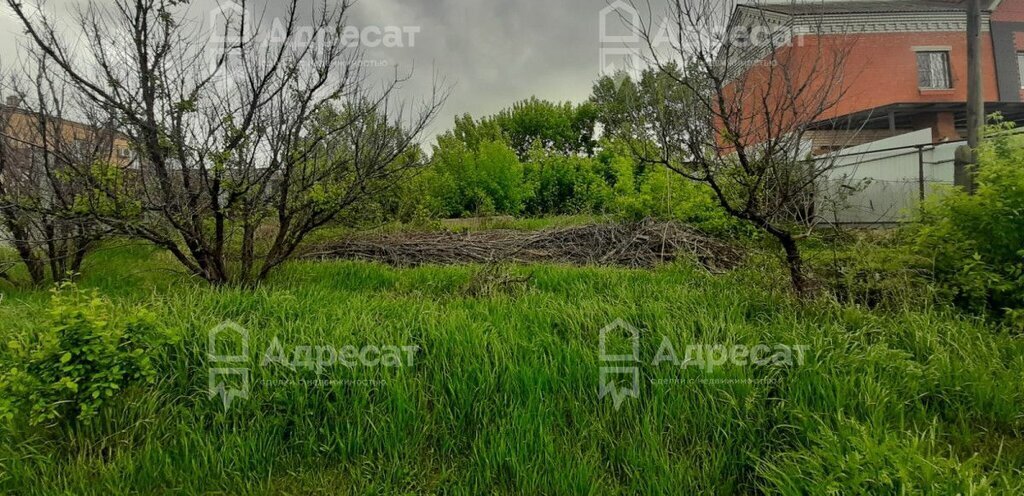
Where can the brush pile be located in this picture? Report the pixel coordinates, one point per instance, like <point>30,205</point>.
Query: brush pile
<point>641,245</point>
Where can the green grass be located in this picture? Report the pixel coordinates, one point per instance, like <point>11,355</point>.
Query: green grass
<point>463,225</point>
<point>503,396</point>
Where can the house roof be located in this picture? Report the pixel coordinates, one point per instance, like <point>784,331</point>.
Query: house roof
<point>9,109</point>
<point>861,7</point>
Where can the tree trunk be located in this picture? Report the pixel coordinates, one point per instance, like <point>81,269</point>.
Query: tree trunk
<point>36,270</point>
<point>35,266</point>
<point>795,262</point>
<point>81,249</point>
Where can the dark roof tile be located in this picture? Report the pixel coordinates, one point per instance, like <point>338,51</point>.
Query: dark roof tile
<point>878,6</point>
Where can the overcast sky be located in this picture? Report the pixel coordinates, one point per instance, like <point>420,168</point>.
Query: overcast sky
<point>493,52</point>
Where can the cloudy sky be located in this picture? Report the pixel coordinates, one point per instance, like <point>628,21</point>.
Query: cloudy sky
<point>492,52</point>
<point>495,52</point>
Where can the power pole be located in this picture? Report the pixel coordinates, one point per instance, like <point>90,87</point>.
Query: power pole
<point>975,99</point>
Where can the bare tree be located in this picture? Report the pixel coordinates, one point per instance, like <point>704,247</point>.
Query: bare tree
<point>737,101</point>
<point>229,125</point>
<point>40,148</point>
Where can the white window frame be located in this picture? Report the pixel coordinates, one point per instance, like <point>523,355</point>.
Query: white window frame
<point>940,50</point>
<point>1020,68</point>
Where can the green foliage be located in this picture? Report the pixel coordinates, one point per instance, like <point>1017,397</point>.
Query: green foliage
<point>615,98</point>
<point>540,158</point>
<point>89,356</point>
<point>565,184</point>
<point>655,192</point>
<point>342,179</point>
<point>531,158</point>
<point>386,185</point>
<point>473,133</point>
<point>563,128</point>
<point>472,174</point>
<point>464,181</point>
<point>109,195</point>
<point>854,460</point>
<point>503,396</point>
<point>976,242</point>
<point>664,195</point>
<point>874,270</point>
<point>656,98</point>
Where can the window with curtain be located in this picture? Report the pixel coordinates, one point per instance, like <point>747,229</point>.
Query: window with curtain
<point>1020,68</point>
<point>933,70</point>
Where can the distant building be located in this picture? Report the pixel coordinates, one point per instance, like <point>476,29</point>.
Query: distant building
<point>27,135</point>
<point>906,66</point>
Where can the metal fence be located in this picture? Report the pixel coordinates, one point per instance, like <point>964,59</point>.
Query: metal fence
<point>882,182</point>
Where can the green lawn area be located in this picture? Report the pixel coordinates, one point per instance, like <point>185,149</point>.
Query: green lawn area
<point>502,396</point>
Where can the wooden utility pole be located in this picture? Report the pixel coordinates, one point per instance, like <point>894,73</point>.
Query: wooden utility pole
<point>967,156</point>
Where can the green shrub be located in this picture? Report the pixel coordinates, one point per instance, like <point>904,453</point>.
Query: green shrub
<point>669,196</point>
<point>88,356</point>
<point>470,182</point>
<point>976,242</point>
<point>853,460</point>
<point>874,272</point>
<point>511,168</point>
<point>565,184</point>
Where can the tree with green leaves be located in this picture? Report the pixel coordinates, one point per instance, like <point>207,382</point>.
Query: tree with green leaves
<point>474,181</point>
<point>558,127</point>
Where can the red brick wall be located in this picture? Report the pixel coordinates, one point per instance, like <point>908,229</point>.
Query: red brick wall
<point>1009,11</point>
<point>1012,11</point>
<point>881,69</point>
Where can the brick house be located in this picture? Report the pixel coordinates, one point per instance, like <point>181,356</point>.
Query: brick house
<point>905,65</point>
<point>22,132</point>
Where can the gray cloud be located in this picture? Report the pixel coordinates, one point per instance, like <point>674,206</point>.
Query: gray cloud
<point>494,52</point>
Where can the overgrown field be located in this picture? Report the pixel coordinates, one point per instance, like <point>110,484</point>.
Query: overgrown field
<point>502,396</point>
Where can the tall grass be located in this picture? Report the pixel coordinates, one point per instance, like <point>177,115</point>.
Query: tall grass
<point>503,395</point>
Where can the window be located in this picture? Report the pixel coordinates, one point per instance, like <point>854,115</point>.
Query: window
<point>933,71</point>
<point>1020,68</point>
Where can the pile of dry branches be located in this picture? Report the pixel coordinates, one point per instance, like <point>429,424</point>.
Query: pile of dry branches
<point>644,245</point>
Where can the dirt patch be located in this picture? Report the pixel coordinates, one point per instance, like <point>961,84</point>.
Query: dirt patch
<point>640,245</point>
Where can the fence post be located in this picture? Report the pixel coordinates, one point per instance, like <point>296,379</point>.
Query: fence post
<point>920,170</point>
<point>965,157</point>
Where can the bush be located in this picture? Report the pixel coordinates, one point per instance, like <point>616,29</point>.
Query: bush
<point>87,358</point>
<point>853,460</point>
<point>665,195</point>
<point>976,242</point>
<point>874,271</point>
<point>565,185</point>
<point>468,182</point>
